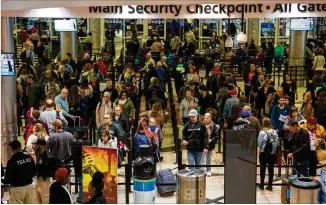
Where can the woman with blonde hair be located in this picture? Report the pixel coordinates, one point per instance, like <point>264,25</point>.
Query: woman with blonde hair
<point>38,132</point>
<point>268,143</point>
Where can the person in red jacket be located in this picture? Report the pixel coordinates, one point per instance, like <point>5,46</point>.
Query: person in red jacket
<point>101,66</point>
<point>35,119</point>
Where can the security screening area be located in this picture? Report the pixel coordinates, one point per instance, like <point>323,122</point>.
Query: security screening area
<point>163,102</point>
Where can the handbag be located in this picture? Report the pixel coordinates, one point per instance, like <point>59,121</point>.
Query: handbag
<point>321,150</point>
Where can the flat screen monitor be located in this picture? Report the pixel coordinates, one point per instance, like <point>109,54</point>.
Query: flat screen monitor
<point>65,25</point>
<point>306,24</point>
<point>7,64</point>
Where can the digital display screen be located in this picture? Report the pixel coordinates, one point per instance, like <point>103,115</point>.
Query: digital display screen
<point>7,64</point>
<point>65,25</point>
<point>302,24</point>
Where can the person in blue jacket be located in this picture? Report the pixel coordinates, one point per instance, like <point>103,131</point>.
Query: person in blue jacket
<point>277,111</point>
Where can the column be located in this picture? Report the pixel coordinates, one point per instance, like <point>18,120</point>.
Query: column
<point>277,31</point>
<point>145,29</point>
<point>253,30</point>
<point>219,28</point>
<point>102,29</point>
<point>95,29</point>
<point>8,94</point>
<point>68,44</point>
<point>297,56</point>
<point>51,28</point>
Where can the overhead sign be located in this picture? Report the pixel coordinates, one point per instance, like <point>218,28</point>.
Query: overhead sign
<point>250,10</point>
<point>65,25</point>
<point>306,24</point>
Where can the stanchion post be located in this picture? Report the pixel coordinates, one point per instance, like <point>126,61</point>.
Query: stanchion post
<point>179,154</point>
<point>129,164</point>
<point>219,143</point>
<point>90,132</point>
<point>127,184</point>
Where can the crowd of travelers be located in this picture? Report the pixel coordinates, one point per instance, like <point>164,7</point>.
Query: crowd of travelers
<point>60,100</point>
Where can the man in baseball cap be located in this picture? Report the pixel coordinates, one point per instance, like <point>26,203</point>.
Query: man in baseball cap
<point>59,194</point>
<point>195,138</point>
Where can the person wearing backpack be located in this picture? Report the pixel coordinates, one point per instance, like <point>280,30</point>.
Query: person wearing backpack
<point>268,143</point>
<point>242,123</point>
<point>156,138</point>
<point>76,156</point>
<point>45,168</point>
<point>140,138</point>
<point>35,92</point>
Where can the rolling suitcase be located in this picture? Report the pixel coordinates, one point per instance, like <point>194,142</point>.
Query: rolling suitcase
<point>285,188</point>
<point>165,176</point>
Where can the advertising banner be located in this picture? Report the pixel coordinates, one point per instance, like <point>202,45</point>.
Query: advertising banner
<point>103,160</point>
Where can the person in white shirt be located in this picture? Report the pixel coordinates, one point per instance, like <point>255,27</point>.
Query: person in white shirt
<point>38,132</point>
<point>319,62</point>
<point>106,141</point>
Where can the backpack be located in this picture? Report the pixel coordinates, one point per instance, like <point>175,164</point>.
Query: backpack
<point>141,140</point>
<point>156,92</point>
<point>242,126</point>
<point>41,92</point>
<point>28,132</point>
<point>154,140</point>
<point>53,163</point>
<point>269,143</point>
<point>123,133</point>
<point>22,56</point>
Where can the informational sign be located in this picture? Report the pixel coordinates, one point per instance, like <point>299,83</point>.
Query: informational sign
<point>65,25</point>
<point>225,9</point>
<point>103,160</point>
<point>7,64</point>
<point>306,24</point>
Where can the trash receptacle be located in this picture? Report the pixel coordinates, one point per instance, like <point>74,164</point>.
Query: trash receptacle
<point>191,186</point>
<point>304,190</point>
<point>144,176</point>
<point>323,186</point>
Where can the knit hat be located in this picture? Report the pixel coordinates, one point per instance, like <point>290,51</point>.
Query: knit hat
<point>234,91</point>
<point>312,120</point>
<point>61,173</point>
<point>245,114</point>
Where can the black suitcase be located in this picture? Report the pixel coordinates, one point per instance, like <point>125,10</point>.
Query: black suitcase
<point>165,176</point>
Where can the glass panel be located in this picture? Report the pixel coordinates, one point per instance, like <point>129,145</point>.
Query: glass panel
<point>240,167</point>
<point>233,26</point>
<point>156,27</point>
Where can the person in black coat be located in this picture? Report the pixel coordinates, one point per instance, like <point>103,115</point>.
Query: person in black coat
<point>76,157</point>
<point>120,118</point>
<point>205,100</point>
<point>59,194</point>
<point>95,188</point>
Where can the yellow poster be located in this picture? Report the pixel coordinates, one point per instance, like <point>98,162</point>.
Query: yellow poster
<point>103,160</point>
